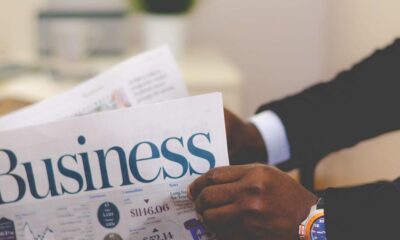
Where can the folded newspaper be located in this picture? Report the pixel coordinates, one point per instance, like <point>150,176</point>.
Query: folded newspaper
<point>118,174</point>
<point>148,78</point>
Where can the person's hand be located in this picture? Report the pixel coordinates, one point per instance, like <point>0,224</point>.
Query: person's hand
<point>251,202</point>
<point>245,144</point>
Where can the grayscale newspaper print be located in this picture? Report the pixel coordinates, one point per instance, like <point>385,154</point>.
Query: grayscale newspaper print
<point>148,78</point>
<point>78,171</point>
<point>119,174</point>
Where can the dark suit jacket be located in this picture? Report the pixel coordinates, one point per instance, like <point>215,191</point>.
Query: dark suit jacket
<point>358,104</point>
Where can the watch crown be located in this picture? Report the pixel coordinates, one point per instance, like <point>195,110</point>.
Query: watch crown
<point>302,231</point>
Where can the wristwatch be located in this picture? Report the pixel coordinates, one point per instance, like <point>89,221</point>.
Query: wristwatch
<point>313,227</point>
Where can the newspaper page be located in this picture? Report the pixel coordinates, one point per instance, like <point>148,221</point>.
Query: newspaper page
<point>119,174</point>
<point>148,78</point>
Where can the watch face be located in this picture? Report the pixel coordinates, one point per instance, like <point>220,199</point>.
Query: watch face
<point>318,229</point>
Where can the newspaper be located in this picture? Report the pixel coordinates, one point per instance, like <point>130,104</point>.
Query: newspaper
<point>68,172</point>
<point>119,174</point>
<point>148,78</point>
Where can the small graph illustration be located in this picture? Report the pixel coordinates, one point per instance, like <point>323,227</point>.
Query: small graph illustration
<point>47,234</point>
<point>7,229</point>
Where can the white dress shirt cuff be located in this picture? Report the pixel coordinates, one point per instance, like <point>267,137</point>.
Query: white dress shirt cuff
<point>274,134</point>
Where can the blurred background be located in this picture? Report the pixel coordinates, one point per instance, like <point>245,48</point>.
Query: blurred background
<point>253,51</point>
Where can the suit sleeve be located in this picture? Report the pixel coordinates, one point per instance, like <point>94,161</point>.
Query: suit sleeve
<point>365,212</point>
<point>358,104</point>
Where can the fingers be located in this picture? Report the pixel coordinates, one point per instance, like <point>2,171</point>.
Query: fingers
<point>216,196</point>
<point>219,220</point>
<point>228,126</point>
<point>214,177</point>
<point>229,222</point>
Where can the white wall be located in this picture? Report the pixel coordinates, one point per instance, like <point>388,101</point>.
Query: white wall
<point>356,28</point>
<point>18,29</point>
<point>278,44</point>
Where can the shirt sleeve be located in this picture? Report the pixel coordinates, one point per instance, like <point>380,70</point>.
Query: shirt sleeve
<point>274,135</point>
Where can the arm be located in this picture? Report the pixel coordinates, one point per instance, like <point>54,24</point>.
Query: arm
<point>358,104</point>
